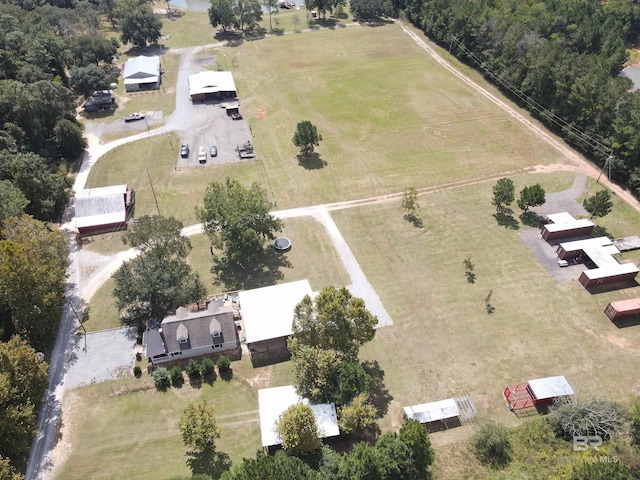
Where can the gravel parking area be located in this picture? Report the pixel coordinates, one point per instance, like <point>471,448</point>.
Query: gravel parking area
<point>564,201</point>
<point>109,354</point>
<point>211,126</point>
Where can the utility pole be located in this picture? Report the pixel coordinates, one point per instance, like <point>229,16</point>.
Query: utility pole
<point>153,190</point>
<point>606,162</point>
<point>81,325</point>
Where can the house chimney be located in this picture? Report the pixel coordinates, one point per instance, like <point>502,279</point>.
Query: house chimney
<point>181,313</point>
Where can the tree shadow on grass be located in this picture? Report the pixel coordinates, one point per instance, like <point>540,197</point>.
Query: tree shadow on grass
<point>208,462</point>
<point>414,219</point>
<point>600,231</point>
<point>505,219</point>
<point>531,219</point>
<point>227,375</point>
<point>311,161</point>
<point>234,38</point>
<point>471,277</point>
<point>264,272</point>
<point>379,396</point>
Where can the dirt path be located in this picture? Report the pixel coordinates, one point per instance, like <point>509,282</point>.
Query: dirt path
<point>582,164</point>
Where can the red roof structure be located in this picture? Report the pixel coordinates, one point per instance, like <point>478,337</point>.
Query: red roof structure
<point>538,392</point>
<point>623,309</point>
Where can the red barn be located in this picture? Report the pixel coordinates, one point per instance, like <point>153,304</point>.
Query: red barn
<point>623,309</point>
<point>103,209</point>
<point>563,225</point>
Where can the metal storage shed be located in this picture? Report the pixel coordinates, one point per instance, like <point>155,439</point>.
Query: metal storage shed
<point>563,225</point>
<point>272,402</point>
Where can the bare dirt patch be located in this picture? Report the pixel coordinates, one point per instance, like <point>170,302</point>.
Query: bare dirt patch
<point>262,379</point>
<point>63,446</point>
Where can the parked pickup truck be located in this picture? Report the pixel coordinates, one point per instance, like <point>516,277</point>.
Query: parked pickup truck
<point>184,151</point>
<point>134,117</point>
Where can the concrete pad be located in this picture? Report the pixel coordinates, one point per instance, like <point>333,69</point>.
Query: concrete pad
<point>108,355</point>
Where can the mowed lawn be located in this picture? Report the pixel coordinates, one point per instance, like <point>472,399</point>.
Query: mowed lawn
<point>389,115</point>
<point>126,429</point>
<point>311,257</point>
<point>444,343</point>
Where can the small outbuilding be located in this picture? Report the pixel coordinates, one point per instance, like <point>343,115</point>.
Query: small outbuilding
<point>210,84</point>
<point>267,315</point>
<point>535,393</point>
<point>563,225</point>
<point>142,73</point>
<point>623,309</point>
<point>446,413</point>
<point>103,209</point>
<point>192,334</point>
<point>273,402</point>
<point>600,251</point>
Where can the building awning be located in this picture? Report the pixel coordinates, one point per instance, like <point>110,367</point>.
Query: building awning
<point>138,81</point>
<point>430,412</point>
<point>550,387</point>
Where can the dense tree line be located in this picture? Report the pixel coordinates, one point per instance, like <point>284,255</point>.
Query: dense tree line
<point>559,59</point>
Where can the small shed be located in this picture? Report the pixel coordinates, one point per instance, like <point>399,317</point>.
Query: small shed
<point>563,225</point>
<point>103,209</point>
<point>211,84</point>
<point>537,392</point>
<point>273,402</point>
<point>445,412</point>
<point>142,73</point>
<point>623,309</point>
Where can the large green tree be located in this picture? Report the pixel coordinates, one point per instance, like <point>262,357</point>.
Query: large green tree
<point>222,13</point>
<point>12,201</point>
<point>370,10</point>
<point>33,262</point>
<point>298,430</point>
<point>248,14</point>
<point>599,204</point>
<point>416,437</point>
<point>280,466</point>
<point>531,196</point>
<point>141,27</point>
<point>200,431</point>
<point>503,194</point>
<point>86,80</point>
<point>306,137</point>
<point>317,373</point>
<point>334,320</point>
<point>159,280</point>
<point>237,220</point>
<point>23,380</point>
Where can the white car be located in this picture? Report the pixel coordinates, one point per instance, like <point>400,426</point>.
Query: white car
<point>202,155</point>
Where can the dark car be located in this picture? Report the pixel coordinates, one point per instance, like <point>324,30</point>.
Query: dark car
<point>184,151</point>
<point>213,151</point>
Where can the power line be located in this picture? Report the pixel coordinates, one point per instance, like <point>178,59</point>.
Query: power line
<point>545,113</point>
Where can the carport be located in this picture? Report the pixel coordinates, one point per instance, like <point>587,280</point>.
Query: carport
<point>217,85</point>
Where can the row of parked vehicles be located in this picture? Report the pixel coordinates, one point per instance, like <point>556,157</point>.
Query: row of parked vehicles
<point>202,153</point>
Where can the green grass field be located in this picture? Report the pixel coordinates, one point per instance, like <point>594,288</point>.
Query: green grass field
<point>382,131</point>
<point>390,117</point>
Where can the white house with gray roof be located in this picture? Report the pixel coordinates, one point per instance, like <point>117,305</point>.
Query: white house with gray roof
<point>142,73</point>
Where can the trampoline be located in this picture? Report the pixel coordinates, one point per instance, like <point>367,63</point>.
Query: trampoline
<point>282,244</point>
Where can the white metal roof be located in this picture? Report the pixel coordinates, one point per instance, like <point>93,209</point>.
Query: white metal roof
<point>564,221</point>
<point>100,206</point>
<point>211,82</point>
<point>550,387</point>
<point>140,68</point>
<point>272,402</point>
<point>430,412</point>
<point>267,312</point>
<point>102,191</point>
